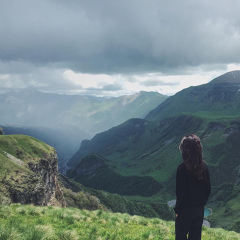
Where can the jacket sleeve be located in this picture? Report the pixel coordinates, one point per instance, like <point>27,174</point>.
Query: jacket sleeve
<point>180,189</point>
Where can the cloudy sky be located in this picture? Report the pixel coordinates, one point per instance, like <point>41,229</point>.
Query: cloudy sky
<point>112,47</point>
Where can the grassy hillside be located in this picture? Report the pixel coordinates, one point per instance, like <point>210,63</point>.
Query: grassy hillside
<point>28,223</point>
<point>77,195</point>
<point>143,148</point>
<point>95,171</point>
<point>218,98</point>
<point>66,140</point>
<point>23,150</point>
<point>225,205</point>
<point>23,147</point>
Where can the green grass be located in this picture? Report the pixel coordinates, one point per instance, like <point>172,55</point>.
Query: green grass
<point>24,147</point>
<point>218,115</point>
<point>225,206</point>
<point>27,222</point>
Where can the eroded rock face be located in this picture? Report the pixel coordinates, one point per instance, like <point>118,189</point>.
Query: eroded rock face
<point>47,170</point>
<point>39,187</point>
<point>1,131</point>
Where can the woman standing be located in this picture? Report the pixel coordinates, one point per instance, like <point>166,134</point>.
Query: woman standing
<point>192,190</point>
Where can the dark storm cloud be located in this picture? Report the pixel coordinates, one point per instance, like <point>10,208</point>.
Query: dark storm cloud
<point>39,39</point>
<point>120,36</point>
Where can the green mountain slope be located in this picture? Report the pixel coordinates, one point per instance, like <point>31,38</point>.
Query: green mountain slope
<point>219,98</point>
<point>140,147</point>
<point>94,171</point>
<point>225,205</point>
<point>149,147</point>
<point>29,222</point>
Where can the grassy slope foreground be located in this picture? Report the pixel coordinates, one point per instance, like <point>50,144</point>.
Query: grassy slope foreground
<point>27,222</point>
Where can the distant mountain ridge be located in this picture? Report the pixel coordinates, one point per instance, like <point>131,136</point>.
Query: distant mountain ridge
<point>220,96</point>
<point>87,113</point>
<point>229,77</point>
<point>63,121</point>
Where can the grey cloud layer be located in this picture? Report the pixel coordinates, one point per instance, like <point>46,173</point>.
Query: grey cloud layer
<point>120,36</point>
<point>39,39</point>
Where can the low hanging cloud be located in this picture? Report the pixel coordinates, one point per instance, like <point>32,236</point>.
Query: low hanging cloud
<point>149,82</point>
<point>40,40</point>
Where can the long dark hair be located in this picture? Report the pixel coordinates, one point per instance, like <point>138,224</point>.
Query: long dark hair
<point>191,149</point>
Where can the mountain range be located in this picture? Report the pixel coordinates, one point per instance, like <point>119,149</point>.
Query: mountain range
<point>218,98</point>
<point>90,114</point>
<point>148,147</point>
<point>63,121</point>
<point>139,157</point>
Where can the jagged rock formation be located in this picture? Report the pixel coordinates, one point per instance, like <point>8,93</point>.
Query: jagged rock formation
<point>1,131</point>
<point>29,179</point>
<point>47,170</point>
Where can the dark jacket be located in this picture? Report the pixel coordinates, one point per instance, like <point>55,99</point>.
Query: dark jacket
<point>190,191</point>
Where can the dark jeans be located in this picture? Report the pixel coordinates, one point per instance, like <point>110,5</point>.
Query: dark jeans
<point>189,221</point>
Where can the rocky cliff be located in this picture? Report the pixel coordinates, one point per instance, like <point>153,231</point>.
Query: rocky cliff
<point>28,172</point>
<point>1,131</point>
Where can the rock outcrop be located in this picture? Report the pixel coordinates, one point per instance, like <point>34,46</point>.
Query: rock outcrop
<point>30,180</point>
<point>1,131</point>
<point>39,187</point>
<point>47,170</point>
